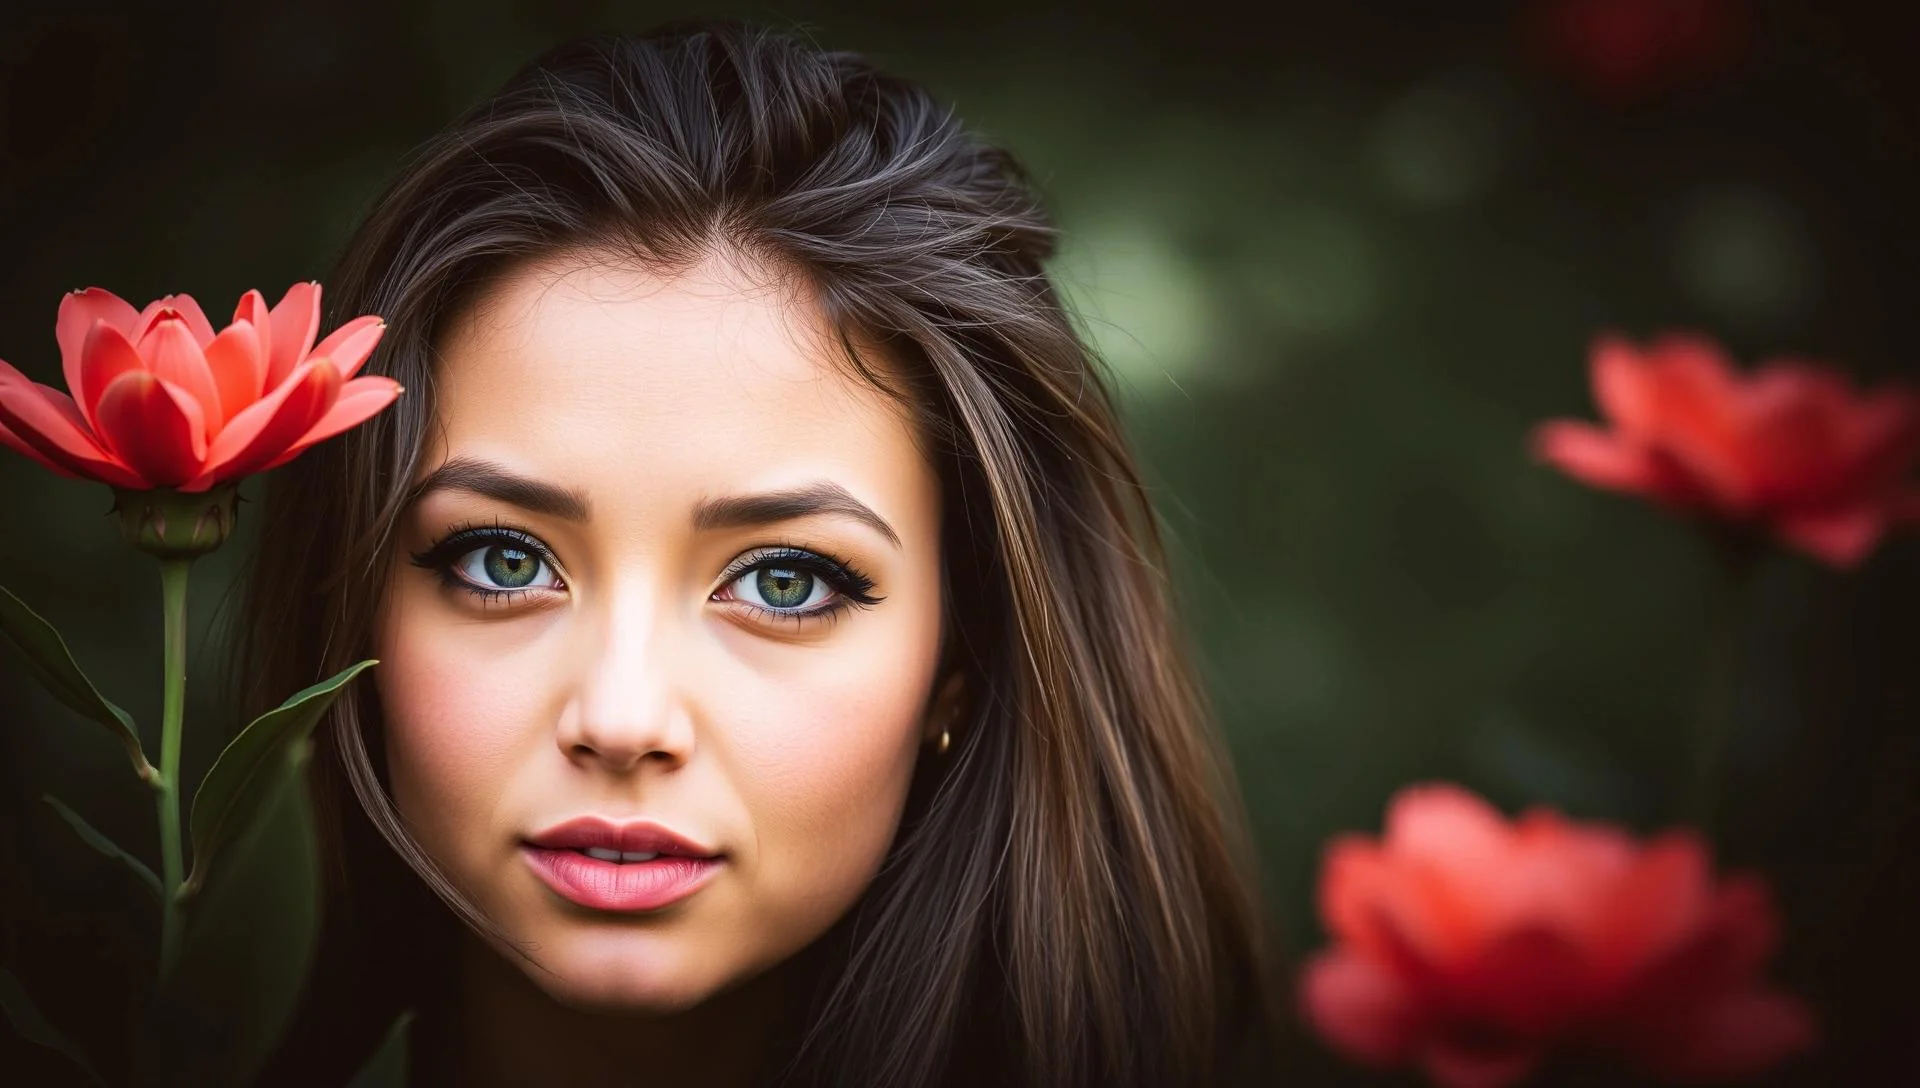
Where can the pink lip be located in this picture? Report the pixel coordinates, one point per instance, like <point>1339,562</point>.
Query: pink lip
<point>683,867</point>
<point>638,837</point>
<point>617,885</point>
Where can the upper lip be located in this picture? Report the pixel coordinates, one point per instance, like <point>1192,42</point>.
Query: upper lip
<point>636,837</point>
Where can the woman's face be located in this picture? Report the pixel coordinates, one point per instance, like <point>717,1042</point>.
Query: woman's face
<point>673,570</point>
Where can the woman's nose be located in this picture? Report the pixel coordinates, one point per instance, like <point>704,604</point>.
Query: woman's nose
<point>627,706</point>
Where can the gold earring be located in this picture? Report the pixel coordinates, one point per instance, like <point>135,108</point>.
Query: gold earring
<point>945,740</point>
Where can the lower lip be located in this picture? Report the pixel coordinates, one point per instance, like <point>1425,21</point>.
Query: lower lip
<point>623,886</point>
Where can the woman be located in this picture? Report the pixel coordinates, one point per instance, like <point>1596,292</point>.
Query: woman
<point>777,673</point>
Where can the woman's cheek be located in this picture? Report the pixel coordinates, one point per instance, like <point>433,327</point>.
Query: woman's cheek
<point>454,714</point>
<point>826,776</point>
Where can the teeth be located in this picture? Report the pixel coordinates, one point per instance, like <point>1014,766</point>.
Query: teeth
<point>601,853</point>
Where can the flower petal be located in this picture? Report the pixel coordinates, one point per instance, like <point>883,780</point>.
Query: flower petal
<point>105,354</point>
<point>196,318</point>
<point>1736,1037</point>
<point>14,443</point>
<point>295,322</point>
<point>172,354</point>
<point>1793,418</point>
<point>360,400</point>
<point>1721,954</point>
<point>1403,916</point>
<point>154,426</point>
<point>1879,437</point>
<point>253,310</point>
<point>1352,879</point>
<point>1699,421</point>
<point>350,344</point>
<point>1839,538</point>
<point>182,306</point>
<point>1362,1010</point>
<point>47,420</point>
<point>266,428</point>
<point>1657,903</point>
<point>1445,849</point>
<point>1599,459</point>
<point>1555,878</point>
<point>238,370</point>
<point>1445,823</point>
<point>1529,983</point>
<point>1622,387</point>
<point>78,312</point>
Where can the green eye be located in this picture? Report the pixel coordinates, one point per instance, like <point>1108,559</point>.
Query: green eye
<point>795,583</point>
<point>503,566</point>
<point>494,563</point>
<point>510,568</point>
<point>783,587</point>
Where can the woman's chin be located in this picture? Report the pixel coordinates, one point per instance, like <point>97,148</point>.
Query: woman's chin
<point>620,972</point>
<point>629,987</point>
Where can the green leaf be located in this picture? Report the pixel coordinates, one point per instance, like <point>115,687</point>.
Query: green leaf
<point>51,664</point>
<point>236,786</point>
<point>26,1020</point>
<point>388,1066</point>
<point>106,846</point>
<point>247,945</point>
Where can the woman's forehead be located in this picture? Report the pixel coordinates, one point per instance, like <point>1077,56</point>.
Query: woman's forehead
<point>639,334</point>
<point>588,372</point>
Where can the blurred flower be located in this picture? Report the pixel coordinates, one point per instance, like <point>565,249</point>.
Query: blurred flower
<point>1473,946</point>
<point>1791,446</point>
<point>1633,49</point>
<point>158,399</point>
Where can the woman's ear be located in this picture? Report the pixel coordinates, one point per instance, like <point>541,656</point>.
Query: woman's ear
<point>943,712</point>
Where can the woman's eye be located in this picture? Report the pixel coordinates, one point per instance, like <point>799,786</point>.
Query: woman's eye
<point>504,566</point>
<point>782,588</point>
<point>796,584</point>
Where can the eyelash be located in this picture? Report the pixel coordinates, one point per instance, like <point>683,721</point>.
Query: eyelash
<point>443,554</point>
<point>852,588</point>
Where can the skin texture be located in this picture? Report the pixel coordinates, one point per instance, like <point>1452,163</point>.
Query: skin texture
<point>643,683</point>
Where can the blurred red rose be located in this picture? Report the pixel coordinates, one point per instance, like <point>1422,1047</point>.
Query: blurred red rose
<point>158,399</point>
<point>1792,446</point>
<point>1635,49</point>
<point>1472,946</point>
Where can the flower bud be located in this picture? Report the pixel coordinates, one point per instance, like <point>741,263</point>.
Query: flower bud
<point>174,524</point>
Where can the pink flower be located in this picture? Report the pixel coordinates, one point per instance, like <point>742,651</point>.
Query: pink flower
<point>1472,946</point>
<point>1792,447</point>
<point>158,399</point>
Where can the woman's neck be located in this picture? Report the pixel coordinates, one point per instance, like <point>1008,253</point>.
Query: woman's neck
<point>491,1025</point>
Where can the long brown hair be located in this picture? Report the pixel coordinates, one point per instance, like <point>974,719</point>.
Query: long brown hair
<point>1071,890</point>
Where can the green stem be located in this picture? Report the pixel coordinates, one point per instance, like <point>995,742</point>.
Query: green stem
<point>173,597</point>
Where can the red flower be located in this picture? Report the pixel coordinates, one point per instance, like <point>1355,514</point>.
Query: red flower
<point>160,400</point>
<point>1472,946</point>
<point>1791,447</point>
<point>1634,49</point>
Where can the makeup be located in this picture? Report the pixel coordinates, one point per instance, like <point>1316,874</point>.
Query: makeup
<point>619,867</point>
<point>682,570</point>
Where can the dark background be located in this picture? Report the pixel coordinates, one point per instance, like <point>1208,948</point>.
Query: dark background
<point>1340,256</point>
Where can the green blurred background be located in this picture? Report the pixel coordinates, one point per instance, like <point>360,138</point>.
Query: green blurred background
<point>1340,258</point>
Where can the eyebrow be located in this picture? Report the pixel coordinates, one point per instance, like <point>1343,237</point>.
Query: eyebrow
<point>807,500</point>
<point>489,480</point>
